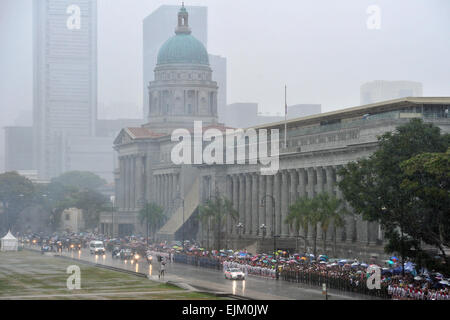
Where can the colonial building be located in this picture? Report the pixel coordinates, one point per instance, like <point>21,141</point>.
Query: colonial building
<point>317,146</point>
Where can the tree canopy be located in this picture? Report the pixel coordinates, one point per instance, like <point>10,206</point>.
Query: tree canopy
<point>375,186</point>
<point>80,180</point>
<point>215,211</point>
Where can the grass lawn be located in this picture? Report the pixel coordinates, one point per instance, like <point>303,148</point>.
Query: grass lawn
<point>29,275</point>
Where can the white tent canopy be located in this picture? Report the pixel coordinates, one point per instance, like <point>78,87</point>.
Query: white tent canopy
<point>9,242</point>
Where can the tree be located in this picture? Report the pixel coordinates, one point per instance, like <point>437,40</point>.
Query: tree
<point>299,217</point>
<point>92,203</point>
<point>153,216</point>
<point>373,186</point>
<point>215,211</point>
<point>331,210</point>
<point>16,193</point>
<point>427,178</point>
<point>80,180</point>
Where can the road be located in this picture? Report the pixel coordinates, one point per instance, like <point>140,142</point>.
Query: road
<point>253,287</point>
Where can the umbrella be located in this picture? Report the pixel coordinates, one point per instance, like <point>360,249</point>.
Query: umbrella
<point>355,264</point>
<point>303,258</point>
<point>393,258</point>
<point>417,278</point>
<point>364,265</point>
<point>343,261</point>
<point>274,260</point>
<point>322,262</point>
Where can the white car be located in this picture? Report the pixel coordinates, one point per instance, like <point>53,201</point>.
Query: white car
<point>234,274</point>
<point>96,247</point>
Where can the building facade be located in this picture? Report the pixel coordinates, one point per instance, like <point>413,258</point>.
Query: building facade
<point>381,90</point>
<point>65,78</point>
<point>18,148</point>
<point>317,146</point>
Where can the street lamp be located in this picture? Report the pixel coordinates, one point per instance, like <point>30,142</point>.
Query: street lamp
<point>240,226</point>
<point>263,204</point>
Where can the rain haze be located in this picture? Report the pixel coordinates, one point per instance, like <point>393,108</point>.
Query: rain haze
<point>225,150</point>
<point>322,50</point>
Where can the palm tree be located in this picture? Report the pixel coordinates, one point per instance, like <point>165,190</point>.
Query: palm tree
<point>314,219</point>
<point>299,217</point>
<point>330,211</point>
<point>153,216</point>
<point>215,211</point>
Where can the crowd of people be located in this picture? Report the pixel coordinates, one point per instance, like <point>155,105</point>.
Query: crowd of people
<point>342,275</point>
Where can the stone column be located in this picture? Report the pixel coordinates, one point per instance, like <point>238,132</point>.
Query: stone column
<point>284,203</point>
<point>276,191</point>
<point>170,189</point>
<point>302,183</point>
<point>329,188</point>
<point>248,204</point>
<point>262,210</point>
<point>242,201</point>
<point>156,189</point>
<point>229,197</point>
<point>255,205</point>
<point>269,219</point>
<point>310,188</point>
<point>166,191</point>
<point>128,183</point>
<point>293,193</point>
<point>149,190</point>
<point>133,183</point>
<point>302,189</point>
<point>320,189</point>
<point>122,183</point>
<point>349,219</point>
<point>163,191</point>
<point>236,199</point>
<point>139,180</point>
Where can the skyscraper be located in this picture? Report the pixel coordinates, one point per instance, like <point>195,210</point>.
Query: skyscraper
<point>65,79</point>
<point>380,90</point>
<point>157,28</point>
<point>219,66</point>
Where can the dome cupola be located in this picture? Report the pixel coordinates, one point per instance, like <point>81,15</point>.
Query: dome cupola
<point>183,48</point>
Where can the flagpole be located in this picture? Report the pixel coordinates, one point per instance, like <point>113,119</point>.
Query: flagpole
<point>285,116</point>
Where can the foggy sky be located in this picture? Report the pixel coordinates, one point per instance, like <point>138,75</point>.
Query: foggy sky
<point>322,50</point>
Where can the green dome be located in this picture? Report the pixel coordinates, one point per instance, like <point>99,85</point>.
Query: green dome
<point>183,48</point>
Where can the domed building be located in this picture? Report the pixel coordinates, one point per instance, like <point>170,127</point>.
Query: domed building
<point>183,90</point>
<point>309,164</point>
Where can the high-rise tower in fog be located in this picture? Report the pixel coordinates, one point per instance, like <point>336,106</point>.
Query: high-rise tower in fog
<point>65,79</point>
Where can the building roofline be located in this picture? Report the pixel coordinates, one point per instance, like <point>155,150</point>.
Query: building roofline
<point>359,110</point>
